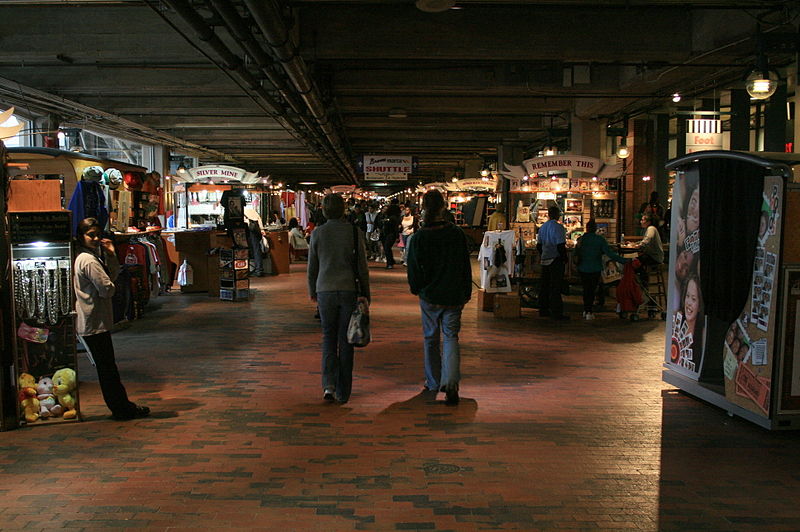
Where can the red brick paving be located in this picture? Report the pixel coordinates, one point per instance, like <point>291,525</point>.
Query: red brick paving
<point>562,426</point>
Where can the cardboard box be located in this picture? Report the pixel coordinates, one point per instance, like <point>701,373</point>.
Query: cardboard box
<point>506,306</point>
<point>486,300</point>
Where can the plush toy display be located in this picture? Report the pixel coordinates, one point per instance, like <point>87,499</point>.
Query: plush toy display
<point>64,383</point>
<point>27,397</point>
<point>47,401</point>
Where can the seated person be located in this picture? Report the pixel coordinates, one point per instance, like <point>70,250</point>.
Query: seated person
<point>651,251</point>
<point>297,238</point>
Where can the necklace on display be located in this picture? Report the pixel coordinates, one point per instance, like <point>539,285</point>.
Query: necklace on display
<point>40,282</point>
<point>51,283</point>
<point>19,290</point>
<point>63,276</point>
<point>28,291</point>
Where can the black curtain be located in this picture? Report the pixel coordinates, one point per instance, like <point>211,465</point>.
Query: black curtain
<point>730,211</point>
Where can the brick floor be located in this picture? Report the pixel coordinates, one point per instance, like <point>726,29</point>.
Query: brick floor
<point>562,426</point>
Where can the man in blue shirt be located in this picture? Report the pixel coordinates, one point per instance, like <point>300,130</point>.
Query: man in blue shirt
<point>551,243</point>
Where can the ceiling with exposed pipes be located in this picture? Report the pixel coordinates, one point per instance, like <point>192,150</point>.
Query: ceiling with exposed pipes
<point>300,90</point>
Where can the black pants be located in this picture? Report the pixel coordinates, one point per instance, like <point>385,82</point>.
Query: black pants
<point>590,283</point>
<point>550,293</point>
<point>114,394</point>
<point>644,271</point>
<point>254,239</point>
<point>388,243</point>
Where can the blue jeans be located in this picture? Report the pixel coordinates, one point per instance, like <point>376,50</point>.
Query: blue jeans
<point>442,363</point>
<point>337,354</point>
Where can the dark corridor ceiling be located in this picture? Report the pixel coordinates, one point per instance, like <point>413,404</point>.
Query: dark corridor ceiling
<point>299,90</point>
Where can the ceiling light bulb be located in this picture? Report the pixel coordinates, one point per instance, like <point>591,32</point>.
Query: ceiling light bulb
<point>761,85</point>
<point>485,172</point>
<point>549,151</point>
<point>623,152</point>
<point>676,97</point>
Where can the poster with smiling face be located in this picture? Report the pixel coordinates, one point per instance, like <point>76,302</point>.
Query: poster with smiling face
<point>685,313</point>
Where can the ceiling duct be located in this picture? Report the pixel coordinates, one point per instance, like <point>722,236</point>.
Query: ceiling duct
<point>270,21</point>
<point>434,6</point>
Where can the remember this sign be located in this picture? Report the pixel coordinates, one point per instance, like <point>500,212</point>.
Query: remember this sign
<point>387,167</point>
<point>562,163</point>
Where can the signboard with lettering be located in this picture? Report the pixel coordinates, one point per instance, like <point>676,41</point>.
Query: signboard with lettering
<point>48,226</point>
<point>562,163</point>
<point>703,134</point>
<point>221,173</point>
<point>387,167</point>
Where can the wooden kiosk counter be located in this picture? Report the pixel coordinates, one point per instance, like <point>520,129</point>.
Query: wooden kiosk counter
<point>195,247</point>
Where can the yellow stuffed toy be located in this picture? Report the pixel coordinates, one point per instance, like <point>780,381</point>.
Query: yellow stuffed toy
<point>27,397</point>
<point>64,383</point>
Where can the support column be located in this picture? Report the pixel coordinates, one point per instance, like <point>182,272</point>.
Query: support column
<point>740,120</point>
<point>660,156</point>
<point>512,155</point>
<point>775,121</point>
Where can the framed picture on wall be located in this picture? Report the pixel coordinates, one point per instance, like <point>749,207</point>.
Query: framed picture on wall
<point>573,206</point>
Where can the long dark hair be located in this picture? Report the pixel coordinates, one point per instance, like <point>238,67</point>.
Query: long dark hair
<point>432,203</point>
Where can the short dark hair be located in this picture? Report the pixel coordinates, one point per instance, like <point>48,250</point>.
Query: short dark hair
<point>86,224</point>
<point>591,226</point>
<point>553,212</point>
<point>333,206</point>
<point>293,223</point>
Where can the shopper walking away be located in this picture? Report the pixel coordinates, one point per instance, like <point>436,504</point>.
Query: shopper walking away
<point>332,285</point>
<point>589,252</point>
<point>552,239</point>
<point>96,269</point>
<point>440,273</point>
<point>390,230</point>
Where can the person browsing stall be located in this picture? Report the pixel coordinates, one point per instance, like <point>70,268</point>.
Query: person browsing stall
<point>96,269</point>
<point>551,244</point>
<point>589,252</point>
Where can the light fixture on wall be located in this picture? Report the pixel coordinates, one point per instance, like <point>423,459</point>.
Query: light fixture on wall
<point>181,168</point>
<point>676,97</point>
<point>622,150</point>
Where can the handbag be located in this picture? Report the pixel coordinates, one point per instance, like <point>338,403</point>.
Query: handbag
<point>358,334</point>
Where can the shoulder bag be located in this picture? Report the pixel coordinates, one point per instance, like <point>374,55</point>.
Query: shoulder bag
<point>358,333</point>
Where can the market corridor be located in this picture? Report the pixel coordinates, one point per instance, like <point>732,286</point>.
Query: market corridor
<point>561,426</point>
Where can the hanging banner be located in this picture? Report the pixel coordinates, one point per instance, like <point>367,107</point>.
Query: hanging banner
<point>476,184</point>
<point>222,173</point>
<point>387,167</point>
<point>562,163</point>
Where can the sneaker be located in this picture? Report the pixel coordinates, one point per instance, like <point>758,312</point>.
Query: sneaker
<point>327,395</point>
<point>588,316</point>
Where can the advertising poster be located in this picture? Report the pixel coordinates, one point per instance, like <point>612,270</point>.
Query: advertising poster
<point>685,315</point>
<point>750,340</point>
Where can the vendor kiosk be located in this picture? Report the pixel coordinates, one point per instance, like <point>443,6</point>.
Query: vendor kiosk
<point>733,312</point>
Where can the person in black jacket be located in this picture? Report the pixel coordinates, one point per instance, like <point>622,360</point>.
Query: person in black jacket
<point>440,273</point>
<point>390,231</point>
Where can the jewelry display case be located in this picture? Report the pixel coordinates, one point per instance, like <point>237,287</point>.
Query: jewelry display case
<point>45,366</point>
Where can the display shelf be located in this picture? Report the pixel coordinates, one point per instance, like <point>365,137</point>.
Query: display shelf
<point>44,320</point>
